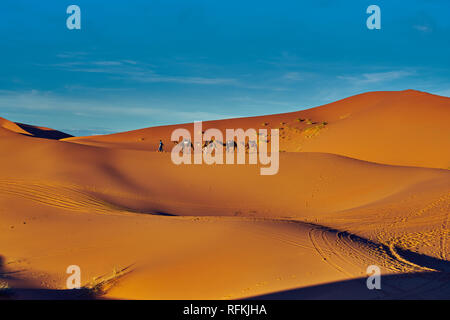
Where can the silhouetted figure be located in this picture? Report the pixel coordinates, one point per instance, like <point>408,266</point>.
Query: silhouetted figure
<point>187,145</point>
<point>252,146</point>
<point>231,145</point>
<point>160,147</point>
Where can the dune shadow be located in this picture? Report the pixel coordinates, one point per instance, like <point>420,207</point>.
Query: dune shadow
<point>17,288</point>
<point>419,259</point>
<point>8,275</point>
<point>425,261</point>
<point>165,214</point>
<point>425,286</point>
<point>49,294</point>
<point>119,177</point>
<point>44,134</point>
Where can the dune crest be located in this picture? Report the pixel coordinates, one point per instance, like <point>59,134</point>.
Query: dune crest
<point>407,128</point>
<point>33,131</point>
<point>351,192</point>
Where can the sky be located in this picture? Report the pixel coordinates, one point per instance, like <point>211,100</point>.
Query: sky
<point>142,63</point>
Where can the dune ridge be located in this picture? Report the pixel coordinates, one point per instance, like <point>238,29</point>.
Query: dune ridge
<point>110,203</point>
<point>33,131</point>
<point>407,128</point>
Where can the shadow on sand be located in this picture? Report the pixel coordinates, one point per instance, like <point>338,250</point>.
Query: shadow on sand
<point>20,291</point>
<point>415,285</point>
<point>421,285</point>
<point>45,134</point>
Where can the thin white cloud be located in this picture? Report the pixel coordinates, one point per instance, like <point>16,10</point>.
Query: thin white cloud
<point>423,28</point>
<point>34,100</point>
<point>292,76</point>
<point>131,70</point>
<point>108,63</point>
<point>69,55</point>
<point>377,77</point>
<point>444,92</point>
<point>130,61</point>
<point>180,79</point>
<point>139,72</point>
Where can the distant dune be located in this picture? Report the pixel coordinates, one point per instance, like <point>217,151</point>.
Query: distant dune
<point>409,128</point>
<point>363,181</point>
<point>34,131</point>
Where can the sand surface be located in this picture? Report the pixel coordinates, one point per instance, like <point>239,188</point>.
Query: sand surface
<point>362,181</point>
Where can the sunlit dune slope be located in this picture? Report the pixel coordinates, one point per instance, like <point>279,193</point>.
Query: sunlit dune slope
<point>11,126</point>
<point>141,227</point>
<point>233,233</point>
<point>30,130</point>
<point>307,183</point>
<point>408,128</point>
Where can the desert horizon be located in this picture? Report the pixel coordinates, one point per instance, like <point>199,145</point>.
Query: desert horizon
<point>362,182</point>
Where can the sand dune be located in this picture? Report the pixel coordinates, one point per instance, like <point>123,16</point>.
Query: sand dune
<point>10,126</point>
<point>34,131</point>
<point>408,128</point>
<point>141,227</point>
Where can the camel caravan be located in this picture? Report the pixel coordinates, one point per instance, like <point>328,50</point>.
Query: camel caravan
<point>210,147</point>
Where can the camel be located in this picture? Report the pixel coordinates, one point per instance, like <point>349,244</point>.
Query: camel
<point>231,144</point>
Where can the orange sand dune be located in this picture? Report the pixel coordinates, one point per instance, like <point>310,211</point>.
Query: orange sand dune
<point>408,128</point>
<point>11,126</point>
<point>35,131</point>
<point>148,182</point>
<point>141,227</point>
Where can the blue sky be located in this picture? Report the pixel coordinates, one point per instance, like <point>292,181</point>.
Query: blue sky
<point>141,63</point>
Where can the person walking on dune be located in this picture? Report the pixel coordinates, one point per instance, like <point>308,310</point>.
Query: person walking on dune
<point>160,147</point>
